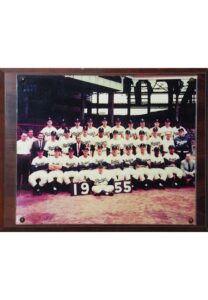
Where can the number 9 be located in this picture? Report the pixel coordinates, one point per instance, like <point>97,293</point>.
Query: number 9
<point>85,188</point>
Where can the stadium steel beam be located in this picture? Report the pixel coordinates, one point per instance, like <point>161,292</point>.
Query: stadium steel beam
<point>111,107</point>
<point>82,107</point>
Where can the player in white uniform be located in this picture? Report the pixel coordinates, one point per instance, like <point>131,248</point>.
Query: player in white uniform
<point>166,128</point>
<point>116,141</point>
<point>66,141</point>
<point>48,129</point>
<point>55,175</point>
<point>39,175</point>
<point>70,168</point>
<point>51,144</point>
<point>155,140</point>
<point>158,165</point>
<point>107,129</point>
<point>142,127</point>
<point>92,131</point>
<point>142,171</point>
<point>77,129</point>
<point>30,137</point>
<point>166,142</point>
<point>60,131</point>
<point>172,167</point>
<point>100,139</point>
<point>120,129</point>
<point>156,125</point>
<point>142,139</point>
<point>99,157</point>
<point>176,128</point>
<point>85,165</point>
<point>115,164</point>
<point>101,182</point>
<point>86,139</point>
<point>128,141</point>
<point>128,163</point>
<point>131,129</point>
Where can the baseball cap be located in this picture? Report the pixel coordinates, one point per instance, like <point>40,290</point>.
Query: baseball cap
<point>130,122</point>
<point>167,120</point>
<point>117,120</point>
<point>142,145</point>
<point>115,131</point>
<point>114,147</point>
<point>155,129</point>
<point>157,121</point>
<point>141,132</point>
<point>70,149</point>
<point>66,130</point>
<point>128,147</point>
<point>104,119</point>
<point>127,132</point>
<point>156,149</point>
<point>63,121</point>
<point>100,129</point>
<point>49,119</point>
<point>171,147</point>
<point>53,133</point>
<point>77,120</point>
<point>180,129</point>
<point>100,146</point>
<point>57,148</point>
<point>100,165</point>
<point>89,120</point>
<point>85,149</point>
<point>85,128</point>
<point>142,120</point>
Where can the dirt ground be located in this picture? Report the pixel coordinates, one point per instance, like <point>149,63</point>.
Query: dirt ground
<point>169,206</point>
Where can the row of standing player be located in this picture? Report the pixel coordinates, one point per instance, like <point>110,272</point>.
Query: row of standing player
<point>101,171</point>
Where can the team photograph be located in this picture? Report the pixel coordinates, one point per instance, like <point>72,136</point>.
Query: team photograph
<point>106,149</point>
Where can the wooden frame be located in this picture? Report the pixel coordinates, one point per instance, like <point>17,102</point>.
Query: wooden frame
<point>8,136</point>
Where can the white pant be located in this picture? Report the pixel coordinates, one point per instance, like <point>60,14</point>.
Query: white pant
<point>106,188</point>
<point>41,174</point>
<point>174,171</point>
<point>56,174</point>
<point>140,174</point>
<point>68,174</point>
<point>160,174</point>
<point>127,173</point>
<point>116,174</point>
<point>84,175</point>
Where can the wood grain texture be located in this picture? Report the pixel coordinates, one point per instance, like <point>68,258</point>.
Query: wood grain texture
<point>8,97</point>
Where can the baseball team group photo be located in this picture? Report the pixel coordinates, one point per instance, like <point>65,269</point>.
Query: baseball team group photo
<point>106,149</point>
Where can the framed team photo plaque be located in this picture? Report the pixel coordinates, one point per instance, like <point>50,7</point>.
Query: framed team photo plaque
<point>103,149</point>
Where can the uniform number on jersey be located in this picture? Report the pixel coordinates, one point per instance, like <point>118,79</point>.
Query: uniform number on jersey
<point>80,189</point>
<point>122,187</point>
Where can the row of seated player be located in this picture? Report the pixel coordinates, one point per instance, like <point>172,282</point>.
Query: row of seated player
<point>143,169</point>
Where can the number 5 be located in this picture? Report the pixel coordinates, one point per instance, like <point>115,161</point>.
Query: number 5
<point>118,187</point>
<point>127,186</point>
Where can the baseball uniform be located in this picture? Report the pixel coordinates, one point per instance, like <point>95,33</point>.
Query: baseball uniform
<point>47,132</point>
<point>115,164</point>
<point>101,182</point>
<point>55,161</point>
<point>172,165</point>
<point>39,169</point>
<point>70,168</point>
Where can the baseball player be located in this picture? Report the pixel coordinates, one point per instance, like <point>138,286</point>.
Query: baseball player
<point>120,129</point>
<point>77,129</point>
<point>156,125</point>
<point>176,128</point>
<point>166,142</point>
<point>101,182</point>
<point>48,129</point>
<point>166,128</point>
<point>142,127</point>
<point>60,131</point>
<point>86,139</point>
<point>142,171</point>
<point>99,157</point>
<point>172,167</point>
<point>182,144</point>
<point>158,165</point>
<point>100,139</point>
<point>107,129</point>
<point>142,139</point>
<point>115,164</point>
<point>116,141</point>
<point>39,175</point>
<point>128,162</point>
<point>55,175</point>
<point>51,144</point>
<point>85,165</point>
<point>155,140</point>
<point>70,167</point>
<point>92,131</point>
<point>128,141</point>
<point>66,141</point>
<point>131,129</point>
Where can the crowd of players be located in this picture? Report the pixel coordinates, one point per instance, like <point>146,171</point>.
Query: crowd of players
<point>148,157</point>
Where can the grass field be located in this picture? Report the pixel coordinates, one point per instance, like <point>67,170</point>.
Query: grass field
<point>169,206</point>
